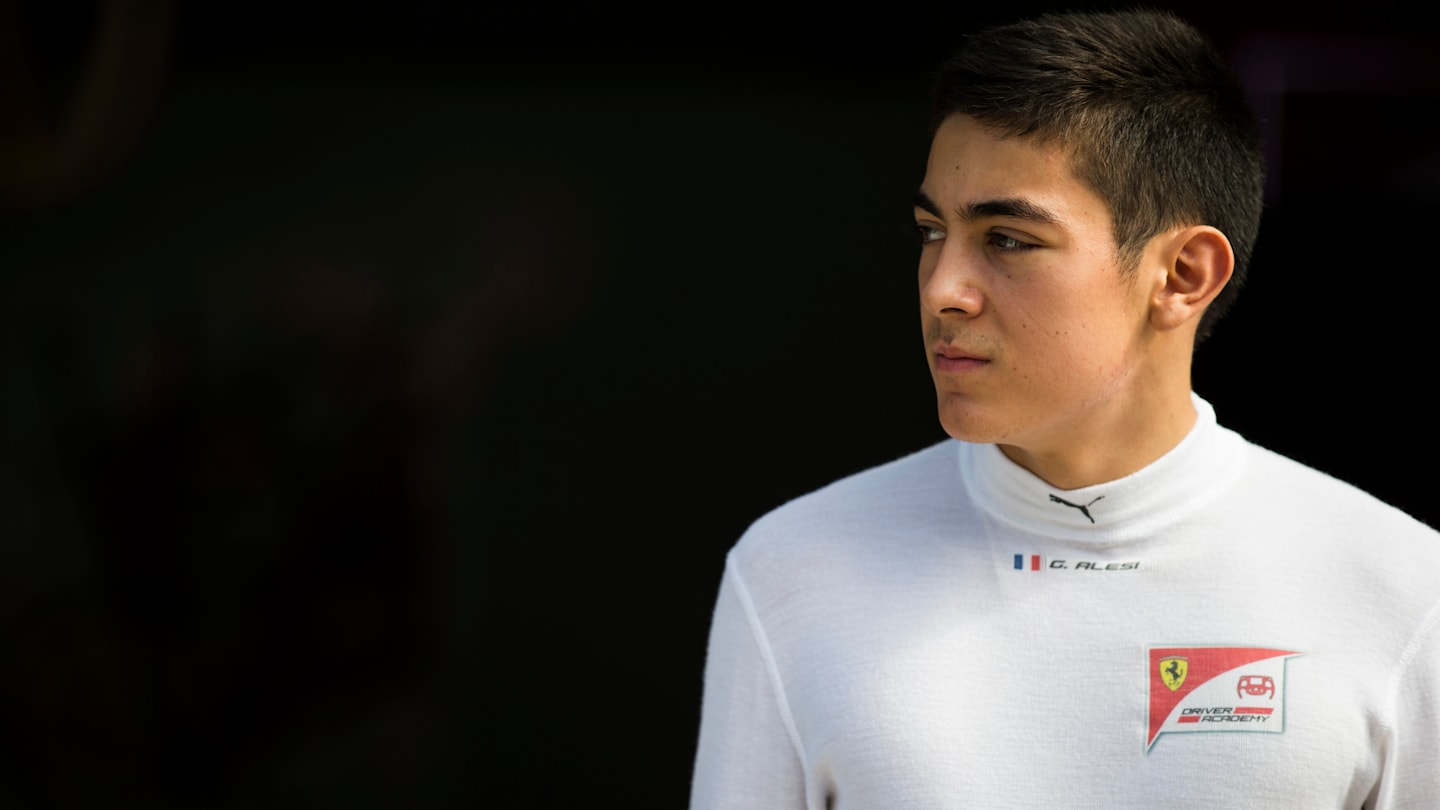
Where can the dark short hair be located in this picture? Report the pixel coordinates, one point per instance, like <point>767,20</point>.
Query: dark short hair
<point>1152,117</point>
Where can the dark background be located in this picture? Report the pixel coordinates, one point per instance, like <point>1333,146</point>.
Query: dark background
<point>383,384</point>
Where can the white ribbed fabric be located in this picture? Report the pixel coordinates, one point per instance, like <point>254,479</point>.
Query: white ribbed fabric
<point>939,632</point>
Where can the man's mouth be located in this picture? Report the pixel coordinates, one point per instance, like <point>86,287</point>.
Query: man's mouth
<point>956,359</point>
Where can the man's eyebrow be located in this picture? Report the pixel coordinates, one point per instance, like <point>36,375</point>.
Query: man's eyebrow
<point>923,201</point>
<point>1009,207</point>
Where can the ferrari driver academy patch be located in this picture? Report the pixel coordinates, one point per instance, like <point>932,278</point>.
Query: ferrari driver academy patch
<point>1216,689</point>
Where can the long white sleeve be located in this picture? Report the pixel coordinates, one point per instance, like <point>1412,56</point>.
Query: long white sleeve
<point>747,756</point>
<point>1410,779</point>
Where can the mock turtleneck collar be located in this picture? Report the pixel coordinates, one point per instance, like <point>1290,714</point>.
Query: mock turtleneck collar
<point>1192,474</point>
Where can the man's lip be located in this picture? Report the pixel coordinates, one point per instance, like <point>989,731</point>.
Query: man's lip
<point>954,360</point>
<point>953,353</point>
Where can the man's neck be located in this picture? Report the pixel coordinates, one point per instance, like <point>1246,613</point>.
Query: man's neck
<point>1114,443</point>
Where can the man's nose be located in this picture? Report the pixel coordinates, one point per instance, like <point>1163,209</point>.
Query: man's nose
<point>952,285</point>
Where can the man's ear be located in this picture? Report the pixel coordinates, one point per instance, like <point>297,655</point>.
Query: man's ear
<point>1198,263</point>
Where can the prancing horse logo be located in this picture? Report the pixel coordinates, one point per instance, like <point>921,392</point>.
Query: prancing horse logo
<point>1084,510</point>
<point>1173,671</point>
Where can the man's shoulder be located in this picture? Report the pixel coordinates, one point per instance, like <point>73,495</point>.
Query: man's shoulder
<point>889,485</point>
<point>877,497</point>
<point>1281,480</point>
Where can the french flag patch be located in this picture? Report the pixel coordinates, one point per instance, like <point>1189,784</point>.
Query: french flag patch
<point>1029,562</point>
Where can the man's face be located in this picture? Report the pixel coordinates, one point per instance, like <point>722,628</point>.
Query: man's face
<point>1034,336</point>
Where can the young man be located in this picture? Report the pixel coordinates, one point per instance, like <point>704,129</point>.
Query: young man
<point>1097,596</point>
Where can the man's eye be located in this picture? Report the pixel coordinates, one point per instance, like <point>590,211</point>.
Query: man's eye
<point>927,233</point>
<point>1008,243</point>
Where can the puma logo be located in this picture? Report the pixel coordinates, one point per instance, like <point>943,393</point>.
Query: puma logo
<point>1084,510</point>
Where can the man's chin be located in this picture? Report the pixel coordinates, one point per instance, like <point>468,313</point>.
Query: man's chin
<point>970,427</point>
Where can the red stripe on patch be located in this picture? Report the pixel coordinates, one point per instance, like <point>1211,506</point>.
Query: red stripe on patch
<point>1252,710</point>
